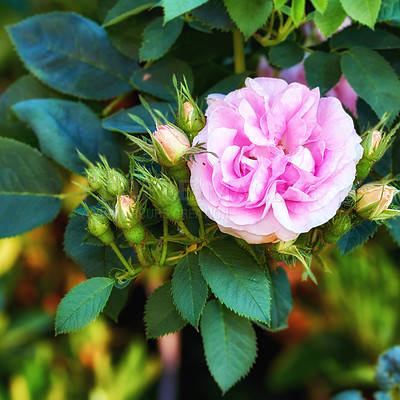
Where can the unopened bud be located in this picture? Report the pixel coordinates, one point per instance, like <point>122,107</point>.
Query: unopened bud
<point>190,118</point>
<point>96,176</point>
<point>125,216</point>
<point>116,183</point>
<point>99,226</point>
<point>373,201</point>
<point>371,142</point>
<point>171,144</point>
<point>135,234</point>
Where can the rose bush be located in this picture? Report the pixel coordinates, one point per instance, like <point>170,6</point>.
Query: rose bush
<point>281,160</point>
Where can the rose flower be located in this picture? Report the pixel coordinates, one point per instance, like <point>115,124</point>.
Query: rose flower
<point>284,160</point>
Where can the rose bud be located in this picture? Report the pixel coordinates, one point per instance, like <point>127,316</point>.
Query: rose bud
<point>116,183</point>
<point>371,142</point>
<point>171,144</point>
<point>99,226</point>
<point>373,201</point>
<point>190,118</point>
<point>124,215</point>
<point>96,176</point>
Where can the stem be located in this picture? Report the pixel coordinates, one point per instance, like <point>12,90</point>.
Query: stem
<point>121,257</point>
<point>202,232</point>
<point>238,51</point>
<point>185,230</point>
<point>110,107</point>
<point>140,255</point>
<point>165,242</point>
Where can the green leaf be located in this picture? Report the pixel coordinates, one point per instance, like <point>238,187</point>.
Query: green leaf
<point>157,79</point>
<point>29,186</point>
<point>189,289</point>
<point>279,3</point>
<point>83,304</point>
<point>214,14</point>
<point>122,122</point>
<point>63,127</point>
<point>227,84</point>
<point>362,36</point>
<point>72,54</point>
<point>229,344</point>
<point>373,79</point>
<point>286,54</point>
<point>116,302</point>
<point>281,300</point>
<point>322,70</point>
<point>174,8</point>
<point>93,260</point>
<point>236,279</point>
<point>320,5</point>
<point>298,11</point>
<point>124,9</point>
<point>393,225</point>
<point>364,11</point>
<point>161,317</point>
<point>356,236</point>
<point>249,15</point>
<point>390,9</point>
<point>331,19</point>
<point>158,38</point>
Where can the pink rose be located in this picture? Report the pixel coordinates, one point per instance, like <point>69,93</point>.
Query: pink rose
<point>286,159</point>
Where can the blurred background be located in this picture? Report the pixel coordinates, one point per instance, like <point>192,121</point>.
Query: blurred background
<point>336,330</point>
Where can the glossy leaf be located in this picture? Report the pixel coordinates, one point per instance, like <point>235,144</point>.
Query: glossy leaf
<point>320,5</point>
<point>331,19</point>
<point>229,344</point>
<point>214,14</point>
<point>356,236</point>
<point>363,36</point>
<point>189,289</point>
<point>82,304</point>
<point>364,11</point>
<point>286,54</point>
<point>116,302</point>
<point>161,316</point>
<point>237,280</point>
<point>157,79</point>
<point>249,15</point>
<point>72,54</point>
<point>29,185</point>
<point>63,127</point>
<point>390,9</point>
<point>373,79</point>
<point>298,11</point>
<point>124,9</point>
<point>122,122</point>
<point>322,70</point>
<point>174,8</point>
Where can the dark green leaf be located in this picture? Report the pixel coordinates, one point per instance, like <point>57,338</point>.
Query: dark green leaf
<point>73,55</point>
<point>227,85</point>
<point>393,225</point>
<point>158,38</point>
<point>83,304</point>
<point>390,9</point>
<point>124,9</point>
<point>356,236</point>
<point>157,79</point>
<point>189,289</point>
<point>174,8</point>
<point>63,127</point>
<point>29,186</point>
<point>249,15</point>
<point>286,54</point>
<point>364,11</point>
<point>364,36</point>
<point>331,19</point>
<point>116,302</point>
<point>161,317</point>
<point>229,344</point>
<point>94,260</point>
<point>373,79</point>
<point>322,70</point>
<point>320,5</point>
<point>214,14</point>
<point>122,122</point>
<point>298,11</point>
<point>236,279</point>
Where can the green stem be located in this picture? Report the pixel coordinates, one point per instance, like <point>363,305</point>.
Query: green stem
<point>238,52</point>
<point>140,255</point>
<point>185,230</point>
<point>165,242</point>
<point>202,232</point>
<point>110,107</point>
<point>121,257</point>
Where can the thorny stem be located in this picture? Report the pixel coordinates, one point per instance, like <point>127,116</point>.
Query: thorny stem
<point>140,255</point>
<point>185,230</point>
<point>165,242</point>
<point>238,51</point>
<point>121,257</point>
